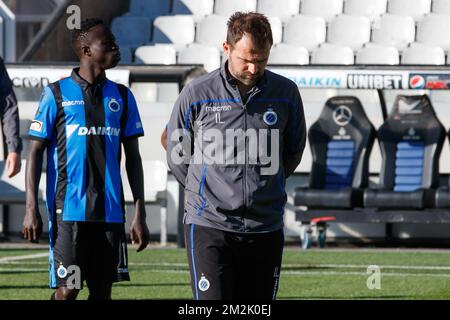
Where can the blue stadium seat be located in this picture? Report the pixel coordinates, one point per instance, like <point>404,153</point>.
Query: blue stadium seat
<point>131,31</point>
<point>411,141</point>
<point>341,141</point>
<point>126,55</point>
<point>149,8</point>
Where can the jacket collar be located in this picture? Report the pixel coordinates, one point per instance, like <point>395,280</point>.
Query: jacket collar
<point>261,84</point>
<point>100,81</point>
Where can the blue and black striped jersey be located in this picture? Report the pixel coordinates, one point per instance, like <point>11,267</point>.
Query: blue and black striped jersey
<point>84,125</point>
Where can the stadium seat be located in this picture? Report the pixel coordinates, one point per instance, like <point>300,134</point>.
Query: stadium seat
<point>434,30</point>
<point>350,31</point>
<point>195,53</point>
<point>371,9</point>
<point>156,54</point>
<point>442,198</point>
<point>149,8</point>
<point>441,7</point>
<point>327,9</point>
<point>131,31</point>
<point>341,141</point>
<point>284,53</point>
<point>126,55</point>
<point>393,30</point>
<point>228,7</point>
<point>377,54</point>
<point>305,31</point>
<point>216,38</point>
<point>411,141</point>
<point>277,29</point>
<point>423,54</point>
<point>197,8</point>
<point>333,54</point>
<point>283,9</point>
<point>414,8</point>
<point>144,91</point>
<point>155,179</point>
<point>176,30</point>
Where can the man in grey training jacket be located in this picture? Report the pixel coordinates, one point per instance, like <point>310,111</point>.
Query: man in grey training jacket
<point>233,138</point>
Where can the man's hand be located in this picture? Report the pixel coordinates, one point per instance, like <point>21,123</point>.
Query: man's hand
<point>32,226</point>
<point>13,164</point>
<point>139,233</point>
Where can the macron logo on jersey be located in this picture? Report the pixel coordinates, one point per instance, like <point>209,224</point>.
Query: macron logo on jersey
<point>95,131</point>
<point>73,103</point>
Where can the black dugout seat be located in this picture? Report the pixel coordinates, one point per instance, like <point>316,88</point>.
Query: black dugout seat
<point>411,141</point>
<point>340,141</point>
<point>442,197</point>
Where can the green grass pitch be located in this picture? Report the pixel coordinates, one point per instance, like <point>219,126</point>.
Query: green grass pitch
<point>160,273</point>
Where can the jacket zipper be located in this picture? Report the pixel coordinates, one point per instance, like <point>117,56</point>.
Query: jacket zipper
<point>245,163</point>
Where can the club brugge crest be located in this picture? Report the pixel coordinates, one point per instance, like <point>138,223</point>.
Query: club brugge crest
<point>203,284</point>
<point>114,105</point>
<point>270,117</point>
<point>62,272</point>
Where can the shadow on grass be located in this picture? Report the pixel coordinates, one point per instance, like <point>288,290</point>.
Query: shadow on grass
<point>122,284</point>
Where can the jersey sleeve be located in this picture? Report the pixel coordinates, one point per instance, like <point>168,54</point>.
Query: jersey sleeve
<point>133,124</point>
<point>43,124</point>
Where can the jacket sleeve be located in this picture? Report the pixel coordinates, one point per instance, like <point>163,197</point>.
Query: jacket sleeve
<point>295,138</point>
<point>180,136</point>
<point>9,112</point>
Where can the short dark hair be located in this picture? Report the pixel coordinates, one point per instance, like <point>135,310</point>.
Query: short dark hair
<point>253,23</point>
<point>80,34</point>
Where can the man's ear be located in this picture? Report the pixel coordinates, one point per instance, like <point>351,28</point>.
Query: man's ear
<point>86,51</point>
<point>226,48</point>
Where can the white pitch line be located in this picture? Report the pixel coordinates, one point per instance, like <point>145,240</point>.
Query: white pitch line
<point>358,266</point>
<point>26,257</point>
<point>335,273</point>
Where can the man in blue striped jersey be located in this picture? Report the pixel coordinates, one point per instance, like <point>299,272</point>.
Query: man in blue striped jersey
<point>82,121</point>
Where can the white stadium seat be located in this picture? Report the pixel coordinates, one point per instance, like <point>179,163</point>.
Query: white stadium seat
<point>157,54</point>
<point>196,53</point>
<point>377,54</point>
<point>197,8</point>
<point>393,30</point>
<point>283,9</point>
<point>228,7</point>
<point>328,9</point>
<point>305,31</point>
<point>414,8</point>
<point>371,9</point>
<point>434,30</point>
<point>333,54</point>
<point>423,54</point>
<point>144,91</point>
<point>351,31</point>
<point>284,53</point>
<point>216,23</point>
<point>277,29</point>
<point>441,7</point>
<point>176,30</point>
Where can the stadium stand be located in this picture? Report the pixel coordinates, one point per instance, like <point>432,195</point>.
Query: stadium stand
<point>341,141</point>
<point>394,30</point>
<point>157,54</point>
<point>140,35</point>
<point>276,25</point>
<point>197,8</point>
<point>411,140</point>
<point>371,9</point>
<point>414,8</point>
<point>284,53</point>
<point>216,23</point>
<point>149,8</point>
<point>305,31</point>
<point>350,31</point>
<point>423,54</point>
<point>377,54</point>
<point>283,9</point>
<point>333,54</point>
<point>200,54</point>
<point>228,7</point>
<point>327,9</point>
<point>176,30</point>
<point>434,30</point>
<point>441,7</point>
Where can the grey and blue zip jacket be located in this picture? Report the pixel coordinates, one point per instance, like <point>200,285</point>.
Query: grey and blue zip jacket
<point>233,156</point>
